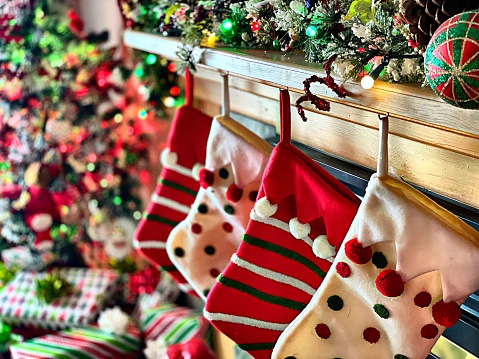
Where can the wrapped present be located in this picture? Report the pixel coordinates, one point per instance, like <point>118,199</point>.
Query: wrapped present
<point>192,349</point>
<point>81,343</point>
<point>172,324</point>
<point>91,290</point>
<point>20,256</point>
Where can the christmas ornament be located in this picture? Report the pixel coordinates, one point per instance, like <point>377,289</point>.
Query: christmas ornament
<point>452,61</point>
<point>177,185</point>
<point>397,282</point>
<point>425,16</point>
<point>201,246</point>
<point>294,232</point>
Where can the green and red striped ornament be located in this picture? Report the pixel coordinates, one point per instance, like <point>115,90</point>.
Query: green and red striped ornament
<point>452,60</point>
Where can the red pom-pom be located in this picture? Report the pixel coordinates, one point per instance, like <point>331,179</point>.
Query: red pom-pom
<point>343,269</point>
<point>206,178</point>
<point>423,299</point>
<point>429,331</point>
<point>322,330</point>
<point>371,335</point>
<point>234,193</point>
<point>390,283</point>
<point>356,253</point>
<point>446,314</point>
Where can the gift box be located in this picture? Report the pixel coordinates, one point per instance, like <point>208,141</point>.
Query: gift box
<point>19,256</point>
<point>90,290</point>
<point>81,343</point>
<point>172,324</point>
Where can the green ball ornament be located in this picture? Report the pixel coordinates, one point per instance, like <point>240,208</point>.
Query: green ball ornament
<point>276,45</point>
<point>452,60</point>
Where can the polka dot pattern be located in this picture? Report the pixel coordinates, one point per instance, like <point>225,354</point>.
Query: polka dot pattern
<point>210,250</point>
<point>446,314</point>
<point>400,356</point>
<point>179,252</point>
<point>203,208</point>
<point>229,209</point>
<point>322,331</point>
<point>253,195</point>
<point>389,283</point>
<point>429,331</point>
<point>335,302</point>
<point>379,260</point>
<point>223,173</point>
<point>381,310</point>
<point>356,253</point>
<point>214,272</point>
<point>196,228</point>
<point>343,269</point>
<point>371,335</point>
<point>227,227</point>
<point>423,299</point>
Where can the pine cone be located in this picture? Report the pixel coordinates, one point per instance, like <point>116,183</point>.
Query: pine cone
<point>425,16</point>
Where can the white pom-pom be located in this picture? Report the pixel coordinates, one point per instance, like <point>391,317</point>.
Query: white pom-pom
<point>41,222</point>
<point>264,208</point>
<point>168,159</point>
<point>195,171</point>
<point>155,349</point>
<point>299,230</point>
<point>113,320</point>
<point>322,248</point>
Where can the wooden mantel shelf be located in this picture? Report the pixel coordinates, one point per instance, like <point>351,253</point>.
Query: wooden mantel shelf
<point>403,101</point>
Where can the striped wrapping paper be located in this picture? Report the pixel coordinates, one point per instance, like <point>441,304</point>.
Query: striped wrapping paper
<point>173,324</point>
<point>83,343</point>
<point>93,288</point>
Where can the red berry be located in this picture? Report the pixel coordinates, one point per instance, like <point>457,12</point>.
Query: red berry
<point>429,331</point>
<point>446,314</point>
<point>356,253</point>
<point>371,335</point>
<point>234,193</point>
<point>389,283</point>
<point>206,178</point>
<point>323,331</point>
<point>343,269</point>
<point>423,299</point>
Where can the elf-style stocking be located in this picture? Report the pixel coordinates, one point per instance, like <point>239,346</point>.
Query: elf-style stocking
<point>295,229</point>
<point>177,186</point>
<point>405,266</point>
<point>201,246</point>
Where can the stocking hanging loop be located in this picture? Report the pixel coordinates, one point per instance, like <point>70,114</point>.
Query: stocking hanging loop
<point>285,115</point>
<point>383,165</point>
<point>189,83</point>
<point>226,96</point>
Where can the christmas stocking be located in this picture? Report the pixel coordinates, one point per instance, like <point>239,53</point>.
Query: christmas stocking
<point>405,266</point>
<point>201,246</point>
<point>177,186</point>
<point>295,229</point>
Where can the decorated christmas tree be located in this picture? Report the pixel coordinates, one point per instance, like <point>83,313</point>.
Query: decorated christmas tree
<point>72,142</point>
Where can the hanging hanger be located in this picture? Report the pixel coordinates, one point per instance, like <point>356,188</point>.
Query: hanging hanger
<point>383,160</point>
<point>235,127</point>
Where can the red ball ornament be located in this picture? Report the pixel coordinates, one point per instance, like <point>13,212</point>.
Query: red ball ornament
<point>356,253</point>
<point>446,314</point>
<point>255,26</point>
<point>389,283</point>
<point>452,60</point>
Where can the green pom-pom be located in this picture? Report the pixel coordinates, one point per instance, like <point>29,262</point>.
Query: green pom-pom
<point>379,260</point>
<point>335,302</point>
<point>381,311</point>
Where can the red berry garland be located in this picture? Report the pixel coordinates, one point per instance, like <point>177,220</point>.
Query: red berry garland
<point>389,283</point>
